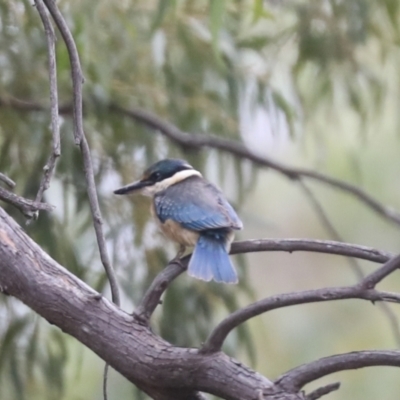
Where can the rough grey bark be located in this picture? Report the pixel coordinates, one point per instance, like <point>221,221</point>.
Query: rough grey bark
<point>155,366</point>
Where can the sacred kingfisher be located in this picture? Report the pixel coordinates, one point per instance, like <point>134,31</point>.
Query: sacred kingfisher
<point>191,212</point>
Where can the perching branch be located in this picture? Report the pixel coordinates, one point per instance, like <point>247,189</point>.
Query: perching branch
<point>163,371</point>
<point>311,245</point>
<point>152,297</point>
<point>363,290</point>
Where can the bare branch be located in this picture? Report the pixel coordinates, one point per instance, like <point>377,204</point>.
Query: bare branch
<point>9,182</point>
<point>152,297</point>
<point>197,141</point>
<point>76,71</point>
<point>218,335</point>
<point>50,166</point>
<point>326,222</point>
<point>322,391</point>
<point>77,80</point>
<point>145,359</point>
<point>310,245</point>
<point>354,265</point>
<point>371,280</point>
<point>26,206</point>
<point>296,378</point>
<point>31,106</point>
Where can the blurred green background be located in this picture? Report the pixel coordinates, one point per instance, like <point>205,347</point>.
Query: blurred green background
<point>310,83</point>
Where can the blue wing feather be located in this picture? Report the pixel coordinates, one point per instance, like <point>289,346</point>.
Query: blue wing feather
<point>196,205</point>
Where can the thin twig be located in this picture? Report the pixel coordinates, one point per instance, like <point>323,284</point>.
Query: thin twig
<point>80,139</point>
<point>371,280</point>
<point>77,80</point>
<point>26,206</point>
<point>236,148</point>
<point>296,378</point>
<point>76,70</point>
<point>198,141</point>
<point>50,166</point>
<point>326,222</point>
<point>353,263</point>
<point>323,391</point>
<point>9,182</point>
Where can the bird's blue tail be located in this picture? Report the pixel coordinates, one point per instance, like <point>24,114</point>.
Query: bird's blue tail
<point>210,259</point>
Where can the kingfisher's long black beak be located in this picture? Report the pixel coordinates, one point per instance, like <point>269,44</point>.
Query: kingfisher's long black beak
<point>132,187</point>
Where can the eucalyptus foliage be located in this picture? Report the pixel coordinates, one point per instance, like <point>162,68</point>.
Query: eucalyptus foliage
<point>206,66</point>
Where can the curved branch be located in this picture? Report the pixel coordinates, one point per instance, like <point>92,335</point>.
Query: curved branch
<point>363,290</point>
<point>158,368</point>
<point>80,138</point>
<point>197,141</point>
<point>50,166</point>
<point>310,245</point>
<point>217,337</point>
<point>8,181</point>
<point>371,280</point>
<point>76,70</point>
<point>296,378</point>
<point>151,298</point>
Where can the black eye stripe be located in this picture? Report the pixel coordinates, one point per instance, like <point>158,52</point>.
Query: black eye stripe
<point>159,176</point>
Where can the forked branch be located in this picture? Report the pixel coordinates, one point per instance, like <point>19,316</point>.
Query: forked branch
<point>152,297</point>
<point>363,290</point>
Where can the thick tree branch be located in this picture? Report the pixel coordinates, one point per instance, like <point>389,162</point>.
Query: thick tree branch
<point>50,166</point>
<point>157,367</point>
<point>296,378</point>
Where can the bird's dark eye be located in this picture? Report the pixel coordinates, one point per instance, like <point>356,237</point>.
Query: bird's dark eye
<point>155,176</point>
